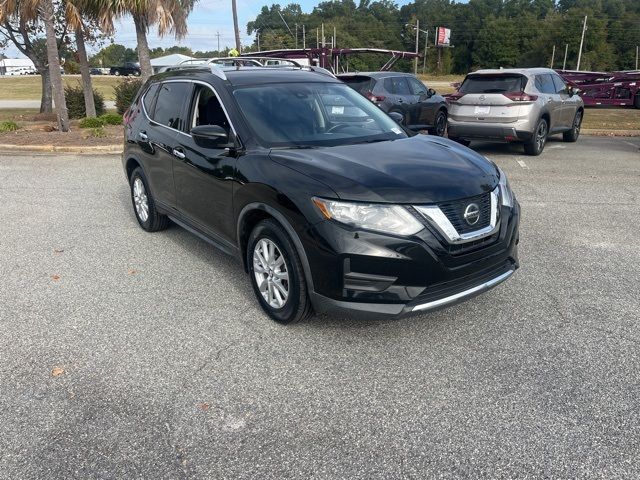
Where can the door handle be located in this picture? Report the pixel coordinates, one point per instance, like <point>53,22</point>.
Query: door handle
<point>143,136</point>
<point>179,153</point>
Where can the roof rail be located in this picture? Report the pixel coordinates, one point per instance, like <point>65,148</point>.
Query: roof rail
<point>217,65</point>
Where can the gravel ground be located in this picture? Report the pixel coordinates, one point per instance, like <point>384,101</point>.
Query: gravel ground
<point>133,355</point>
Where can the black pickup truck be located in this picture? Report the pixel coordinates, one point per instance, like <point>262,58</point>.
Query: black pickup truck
<point>129,68</point>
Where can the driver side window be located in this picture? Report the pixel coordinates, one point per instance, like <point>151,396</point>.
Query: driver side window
<point>417,87</point>
<point>207,109</point>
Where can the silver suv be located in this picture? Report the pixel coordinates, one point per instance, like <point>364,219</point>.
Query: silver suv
<point>515,105</point>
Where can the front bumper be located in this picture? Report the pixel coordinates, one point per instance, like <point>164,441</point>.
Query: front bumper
<point>359,273</point>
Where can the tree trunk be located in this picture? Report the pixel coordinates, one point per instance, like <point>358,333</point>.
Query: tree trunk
<point>235,25</point>
<point>54,66</point>
<point>46,102</point>
<point>144,57</point>
<point>87,87</point>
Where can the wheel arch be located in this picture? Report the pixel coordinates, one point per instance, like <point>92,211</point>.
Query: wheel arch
<point>255,212</point>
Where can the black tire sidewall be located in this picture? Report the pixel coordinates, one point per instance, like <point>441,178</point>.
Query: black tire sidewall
<point>440,113</point>
<point>533,144</point>
<point>289,313</point>
<point>138,173</point>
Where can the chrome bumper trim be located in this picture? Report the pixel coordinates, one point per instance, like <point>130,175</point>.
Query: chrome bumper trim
<point>459,296</point>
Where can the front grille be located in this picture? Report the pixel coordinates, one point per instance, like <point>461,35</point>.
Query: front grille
<point>455,213</point>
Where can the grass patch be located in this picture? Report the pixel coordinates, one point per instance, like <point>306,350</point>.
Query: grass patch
<point>612,118</point>
<point>8,126</point>
<point>29,87</point>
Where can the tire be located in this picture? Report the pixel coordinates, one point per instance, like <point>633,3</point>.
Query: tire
<point>573,134</point>
<point>116,73</point>
<point>148,218</point>
<point>535,146</point>
<point>136,74</point>
<point>404,118</point>
<point>440,124</point>
<point>285,300</point>
<point>461,141</point>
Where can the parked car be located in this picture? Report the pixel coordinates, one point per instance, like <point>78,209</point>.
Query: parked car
<point>421,108</point>
<point>129,68</point>
<point>95,71</point>
<point>20,71</point>
<point>328,204</point>
<point>515,105</point>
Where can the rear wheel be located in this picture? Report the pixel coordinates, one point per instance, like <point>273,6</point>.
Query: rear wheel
<point>535,146</point>
<point>276,274</point>
<point>143,204</point>
<point>573,134</point>
<point>440,124</point>
<point>116,73</point>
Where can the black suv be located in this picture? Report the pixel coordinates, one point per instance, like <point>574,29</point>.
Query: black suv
<point>129,68</point>
<point>329,204</point>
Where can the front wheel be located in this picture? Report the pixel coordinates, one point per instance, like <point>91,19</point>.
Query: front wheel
<point>117,73</point>
<point>535,146</point>
<point>573,134</point>
<point>276,274</point>
<point>440,124</point>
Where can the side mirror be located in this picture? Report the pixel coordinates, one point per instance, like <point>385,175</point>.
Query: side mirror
<point>431,92</point>
<point>210,136</point>
<point>397,117</point>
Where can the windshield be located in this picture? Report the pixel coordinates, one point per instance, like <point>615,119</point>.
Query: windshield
<point>313,114</point>
<point>493,84</point>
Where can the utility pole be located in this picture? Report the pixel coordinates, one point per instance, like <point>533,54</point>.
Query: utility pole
<point>566,49</point>
<point>553,56</point>
<point>218,35</point>
<point>235,25</point>
<point>322,38</point>
<point>317,38</point>
<point>415,63</point>
<point>584,29</point>
<point>426,43</point>
<point>304,39</point>
<point>296,36</point>
<point>333,45</point>
<point>637,56</point>
<point>258,39</point>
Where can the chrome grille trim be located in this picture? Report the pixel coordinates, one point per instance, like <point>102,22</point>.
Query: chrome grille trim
<point>439,220</point>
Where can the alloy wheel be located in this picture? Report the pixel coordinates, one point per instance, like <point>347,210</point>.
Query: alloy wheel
<point>441,124</point>
<point>270,270</point>
<point>140,199</point>
<point>541,135</point>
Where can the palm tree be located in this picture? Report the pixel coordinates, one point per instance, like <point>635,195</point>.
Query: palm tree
<point>169,15</point>
<point>32,11</point>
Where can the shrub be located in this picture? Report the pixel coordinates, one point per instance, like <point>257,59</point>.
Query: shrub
<point>111,119</point>
<point>8,126</point>
<point>75,101</point>
<point>91,122</point>
<point>125,93</point>
<point>97,132</point>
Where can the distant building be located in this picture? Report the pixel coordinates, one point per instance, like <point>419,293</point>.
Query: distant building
<point>12,64</point>
<point>160,64</point>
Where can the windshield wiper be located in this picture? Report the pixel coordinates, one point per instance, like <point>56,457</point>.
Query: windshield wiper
<point>295,147</point>
<point>375,140</point>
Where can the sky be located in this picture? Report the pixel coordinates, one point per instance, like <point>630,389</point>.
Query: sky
<point>208,18</point>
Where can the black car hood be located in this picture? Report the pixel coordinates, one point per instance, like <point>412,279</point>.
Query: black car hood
<point>417,170</point>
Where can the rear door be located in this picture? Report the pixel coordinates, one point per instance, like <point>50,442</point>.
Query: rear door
<point>158,138</point>
<point>485,98</point>
<point>553,102</point>
<point>400,98</point>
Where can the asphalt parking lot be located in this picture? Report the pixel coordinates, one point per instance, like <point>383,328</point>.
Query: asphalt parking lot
<point>125,354</point>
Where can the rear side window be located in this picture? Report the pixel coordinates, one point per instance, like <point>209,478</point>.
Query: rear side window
<point>172,98</point>
<point>493,83</point>
<point>359,83</point>
<point>544,84</point>
<point>149,98</point>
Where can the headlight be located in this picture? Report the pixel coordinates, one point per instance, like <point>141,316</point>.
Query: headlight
<point>505,190</point>
<point>392,219</point>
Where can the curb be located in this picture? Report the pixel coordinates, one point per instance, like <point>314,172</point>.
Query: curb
<point>610,133</point>
<point>63,149</point>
